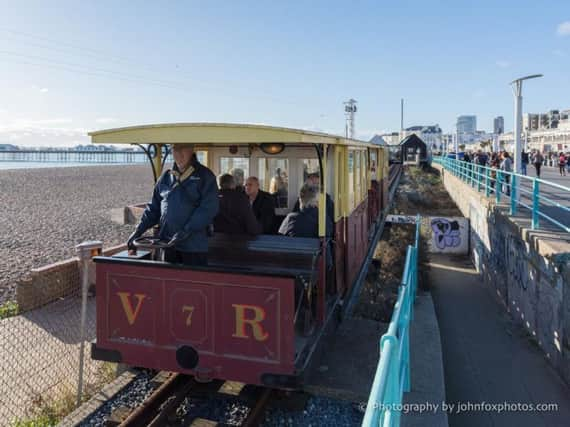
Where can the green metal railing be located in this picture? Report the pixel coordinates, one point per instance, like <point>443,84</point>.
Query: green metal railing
<point>511,186</point>
<point>392,377</point>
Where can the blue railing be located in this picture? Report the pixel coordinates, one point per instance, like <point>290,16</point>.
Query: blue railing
<point>533,194</point>
<point>392,377</point>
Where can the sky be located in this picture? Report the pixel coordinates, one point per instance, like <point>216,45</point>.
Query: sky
<point>69,67</point>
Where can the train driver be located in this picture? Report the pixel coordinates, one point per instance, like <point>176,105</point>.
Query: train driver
<point>262,203</point>
<point>305,222</point>
<point>184,203</point>
<point>235,215</point>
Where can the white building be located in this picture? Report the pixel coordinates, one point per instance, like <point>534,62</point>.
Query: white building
<point>431,135</point>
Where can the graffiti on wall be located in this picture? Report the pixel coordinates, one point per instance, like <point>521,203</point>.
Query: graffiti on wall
<point>445,233</point>
<point>517,261</point>
<point>449,235</point>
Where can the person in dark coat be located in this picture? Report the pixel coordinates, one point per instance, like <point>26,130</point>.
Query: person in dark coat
<point>262,203</point>
<point>184,204</point>
<point>235,215</point>
<point>305,222</point>
<point>314,180</point>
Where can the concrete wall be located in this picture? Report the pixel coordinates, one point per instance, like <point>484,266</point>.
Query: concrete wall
<point>528,271</point>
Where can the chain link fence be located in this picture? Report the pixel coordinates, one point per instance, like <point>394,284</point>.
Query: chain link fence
<point>40,342</point>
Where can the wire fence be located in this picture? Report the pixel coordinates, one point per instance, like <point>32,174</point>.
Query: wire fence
<point>40,341</point>
<point>546,203</point>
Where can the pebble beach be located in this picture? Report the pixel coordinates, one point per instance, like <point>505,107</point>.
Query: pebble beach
<point>44,213</point>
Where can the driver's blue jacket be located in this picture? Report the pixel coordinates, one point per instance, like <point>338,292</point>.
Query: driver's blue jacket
<point>188,206</point>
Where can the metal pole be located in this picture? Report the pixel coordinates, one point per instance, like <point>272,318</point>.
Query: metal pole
<point>517,127</point>
<point>84,286</point>
<point>86,251</point>
<point>535,206</point>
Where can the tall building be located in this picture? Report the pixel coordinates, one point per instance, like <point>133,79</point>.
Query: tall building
<point>499,125</point>
<point>466,124</point>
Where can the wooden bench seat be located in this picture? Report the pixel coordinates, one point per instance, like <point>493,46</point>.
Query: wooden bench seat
<point>264,253</point>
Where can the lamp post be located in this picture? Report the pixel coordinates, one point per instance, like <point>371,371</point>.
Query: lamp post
<point>517,92</point>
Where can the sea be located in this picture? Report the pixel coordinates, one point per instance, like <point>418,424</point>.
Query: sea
<point>7,165</point>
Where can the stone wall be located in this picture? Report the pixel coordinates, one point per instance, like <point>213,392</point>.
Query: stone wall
<point>528,271</point>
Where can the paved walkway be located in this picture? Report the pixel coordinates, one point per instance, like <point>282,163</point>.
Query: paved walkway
<point>486,357</point>
<point>39,356</point>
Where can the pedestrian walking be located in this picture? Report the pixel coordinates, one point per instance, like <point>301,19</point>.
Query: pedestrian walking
<point>562,164</point>
<point>524,162</point>
<point>537,160</point>
<point>507,166</point>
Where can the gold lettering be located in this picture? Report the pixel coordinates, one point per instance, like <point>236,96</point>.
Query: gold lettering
<point>190,310</point>
<point>259,315</point>
<point>127,306</point>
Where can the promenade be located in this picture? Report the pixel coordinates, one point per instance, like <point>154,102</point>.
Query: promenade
<point>486,357</point>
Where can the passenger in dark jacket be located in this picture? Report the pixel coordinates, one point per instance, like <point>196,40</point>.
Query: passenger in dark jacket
<point>305,223</point>
<point>262,203</point>
<point>314,180</point>
<point>184,204</point>
<point>235,215</point>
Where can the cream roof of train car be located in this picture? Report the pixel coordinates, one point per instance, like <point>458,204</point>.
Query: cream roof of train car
<point>215,133</point>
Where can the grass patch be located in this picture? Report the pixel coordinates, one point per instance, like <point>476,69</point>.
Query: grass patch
<point>8,309</point>
<point>50,411</point>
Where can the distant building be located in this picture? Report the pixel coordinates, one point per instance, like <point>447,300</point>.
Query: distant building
<point>549,120</point>
<point>392,138</point>
<point>8,147</point>
<point>499,125</point>
<point>430,135</point>
<point>378,140</point>
<point>411,146</point>
<point>466,124</point>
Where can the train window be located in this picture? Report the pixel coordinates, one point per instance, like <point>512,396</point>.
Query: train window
<point>373,165</point>
<point>232,164</point>
<point>202,157</point>
<point>351,180</point>
<point>274,178</point>
<point>310,166</point>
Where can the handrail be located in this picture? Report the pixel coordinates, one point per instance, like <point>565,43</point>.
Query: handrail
<point>508,184</point>
<point>392,376</point>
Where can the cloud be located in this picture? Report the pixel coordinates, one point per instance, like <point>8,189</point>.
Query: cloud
<point>106,120</point>
<point>501,63</point>
<point>40,89</point>
<point>564,29</point>
<point>42,133</point>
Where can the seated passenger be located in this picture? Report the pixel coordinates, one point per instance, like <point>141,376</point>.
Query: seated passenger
<point>262,203</point>
<point>305,222</point>
<point>315,180</point>
<point>235,215</point>
<point>239,176</point>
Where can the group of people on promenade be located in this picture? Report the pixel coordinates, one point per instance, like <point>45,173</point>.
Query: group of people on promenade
<point>502,160</point>
<point>186,204</point>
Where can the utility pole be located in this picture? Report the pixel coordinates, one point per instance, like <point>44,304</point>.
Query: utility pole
<point>349,111</point>
<point>517,92</point>
<point>402,116</point>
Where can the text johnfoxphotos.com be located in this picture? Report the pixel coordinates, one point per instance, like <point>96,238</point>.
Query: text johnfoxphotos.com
<point>461,407</point>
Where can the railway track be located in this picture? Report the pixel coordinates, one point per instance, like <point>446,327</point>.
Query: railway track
<point>160,408</point>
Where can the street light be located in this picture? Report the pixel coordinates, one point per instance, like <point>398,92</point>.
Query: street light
<point>517,90</point>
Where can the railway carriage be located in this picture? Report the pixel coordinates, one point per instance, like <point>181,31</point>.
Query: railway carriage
<point>260,311</point>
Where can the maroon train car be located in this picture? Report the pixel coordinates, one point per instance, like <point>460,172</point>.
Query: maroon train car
<point>262,309</point>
